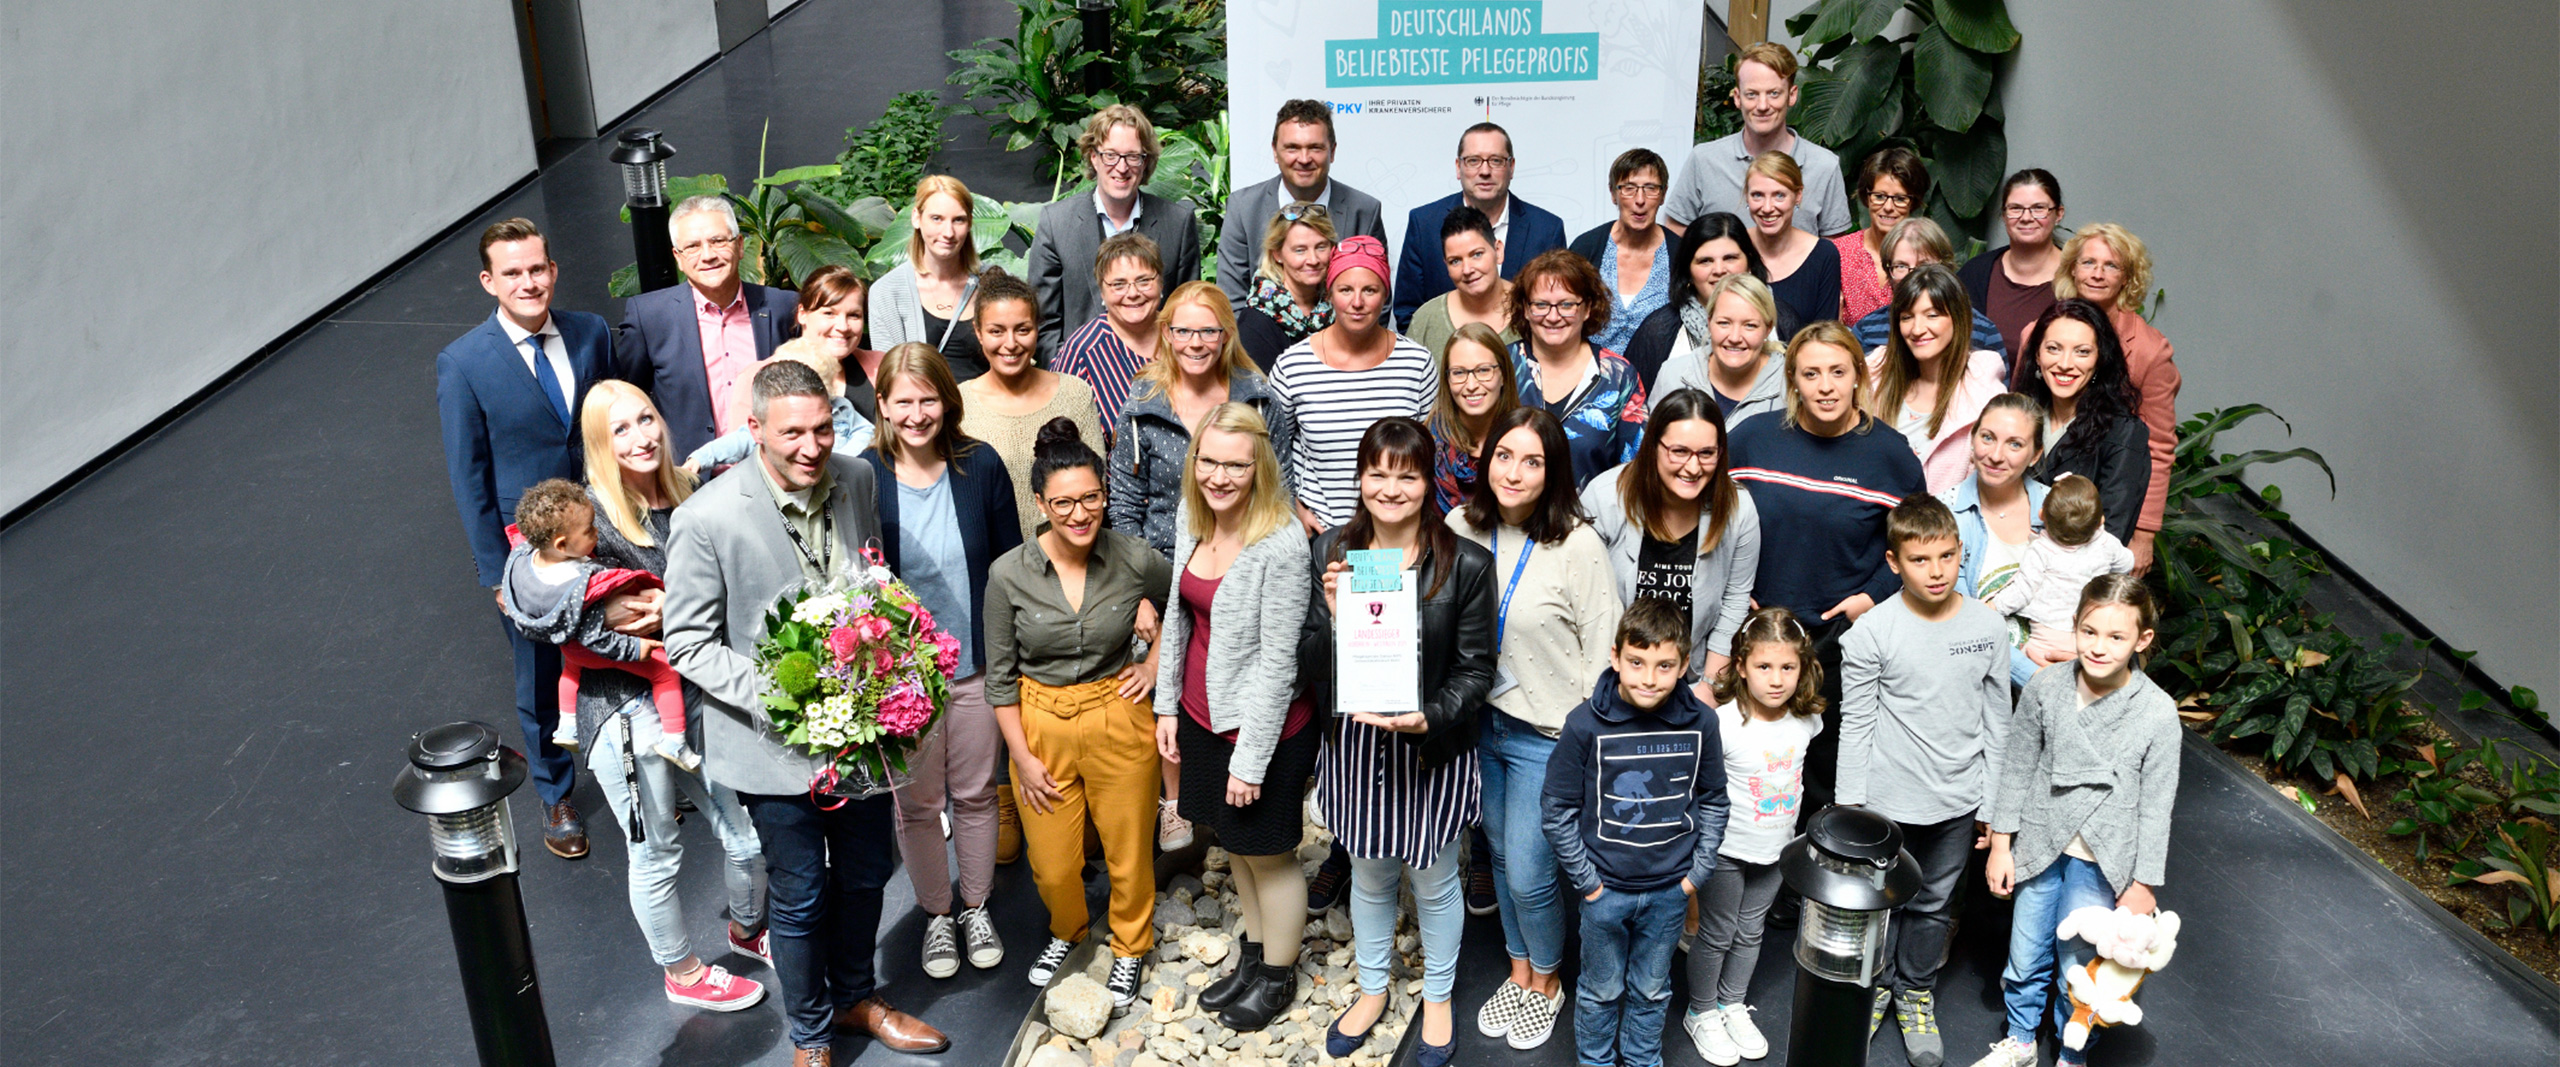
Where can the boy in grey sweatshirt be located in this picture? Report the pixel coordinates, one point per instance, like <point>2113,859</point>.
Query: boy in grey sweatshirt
<point>1924,716</point>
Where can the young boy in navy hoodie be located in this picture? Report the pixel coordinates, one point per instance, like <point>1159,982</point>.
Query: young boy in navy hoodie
<point>1635,807</point>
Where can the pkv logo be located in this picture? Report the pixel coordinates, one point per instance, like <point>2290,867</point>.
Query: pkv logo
<point>1343,108</point>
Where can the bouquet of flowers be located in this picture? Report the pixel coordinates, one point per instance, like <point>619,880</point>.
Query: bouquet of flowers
<point>857,674</point>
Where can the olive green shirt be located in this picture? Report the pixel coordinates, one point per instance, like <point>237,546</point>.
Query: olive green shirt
<point>803,512</point>
<point>1432,329</point>
<point>1031,632</point>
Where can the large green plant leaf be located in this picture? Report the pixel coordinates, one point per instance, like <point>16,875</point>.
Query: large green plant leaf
<point>1981,25</point>
<point>2235,464</point>
<point>803,250</point>
<point>1818,99</point>
<point>825,212</point>
<point>801,174</point>
<point>1831,21</point>
<point>873,213</point>
<point>1872,15</point>
<point>1866,72</point>
<point>1950,80</point>
<point>1968,165</point>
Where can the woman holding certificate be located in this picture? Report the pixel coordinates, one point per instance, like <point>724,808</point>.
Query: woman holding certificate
<point>1398,788</point>
<point>1555,613</point>
<point>1228,709</point>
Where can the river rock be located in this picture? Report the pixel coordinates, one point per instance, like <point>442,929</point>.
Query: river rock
<point>1208,912</point>
<point>1175,910</point>
<point>1078,1006</point>
<point>1052,1056</point>
<point>1206,947</point>
<point>1337,926</point>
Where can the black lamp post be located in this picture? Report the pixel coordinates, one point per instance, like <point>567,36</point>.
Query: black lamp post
<point>643,154</point>
<point>1096,17</point>
<point>1852,872</point>
<point>459,777</point>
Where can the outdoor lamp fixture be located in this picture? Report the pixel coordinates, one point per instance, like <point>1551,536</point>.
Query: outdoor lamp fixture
<point>1852,872</point>
<point>459,777</point>
<point>643,154</point>
<point>1096,17</point>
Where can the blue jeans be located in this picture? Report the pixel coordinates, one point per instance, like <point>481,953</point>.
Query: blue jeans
<point>1513,758</point>
<point>1624,992</point>
<point>656,861</point>
<point>1440,913</point>
<point>2029,985</point>
<point>538,712</point>
<point>826,870</point>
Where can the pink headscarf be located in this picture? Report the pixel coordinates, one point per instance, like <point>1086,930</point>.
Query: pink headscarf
<point>1360,251</point>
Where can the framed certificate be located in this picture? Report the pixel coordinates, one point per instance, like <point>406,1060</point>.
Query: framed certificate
<point>1377,650</point>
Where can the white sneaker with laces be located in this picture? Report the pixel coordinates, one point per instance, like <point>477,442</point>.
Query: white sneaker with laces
<point>941,947</point>
<point>1046,967</point>
<point>1746,1034</point>
<point>1172,830</point>
<point>2009,1052</point>
<point>1714,1045</point>
<point>978,934</point>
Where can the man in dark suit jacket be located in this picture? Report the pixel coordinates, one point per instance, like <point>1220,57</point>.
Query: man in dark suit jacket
<point>1522,229</point>
<point>508,394</point>
<point>659,344</point>
<point>1120,153</point>
<point>1302,143</point>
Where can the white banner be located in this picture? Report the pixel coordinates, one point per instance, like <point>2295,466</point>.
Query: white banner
<point>1574,81</point>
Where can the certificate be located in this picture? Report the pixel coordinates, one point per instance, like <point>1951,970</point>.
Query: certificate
<point>1377,650</point>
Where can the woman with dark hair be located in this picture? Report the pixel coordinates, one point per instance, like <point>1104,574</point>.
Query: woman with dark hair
<point>2077,371</point>
<point>1892,186</point>
<point>2107,265</point>
<point>2014,283</point>
<point>1556,612</point>
<point>1998,509</point>
<point>1633,251</point>
<point>946,513</point>
<point>1679,529</point>
<point>1397,789</point>
<point>1804,269</point>
<point>1477,388</point>
<point>1914,243</point>
<point>1478,293</point>
<point>1715,247</point>
<point>1073,706</point>
<point>1006,406</point>
<point>1922,381</point>
<point>1558,305</point>
<point>833,315</point>
<point>1110,351</point>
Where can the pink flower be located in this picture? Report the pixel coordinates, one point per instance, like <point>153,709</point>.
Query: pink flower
<point>871,628</point>
<point>924,619</point>
<point>906,710</point>
<point>882,662</point>
<point>946,653</point>
<point>843,642</point>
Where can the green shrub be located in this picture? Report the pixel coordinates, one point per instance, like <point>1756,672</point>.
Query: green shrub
<point>1935,90</point>
<point>1167,58</point>
<point>888,157</point>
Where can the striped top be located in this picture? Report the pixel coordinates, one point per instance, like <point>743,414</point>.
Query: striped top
<point>1381,803</point>
<point>1822,503</point>
<point>1098,356</point>
<point>1333,407</point>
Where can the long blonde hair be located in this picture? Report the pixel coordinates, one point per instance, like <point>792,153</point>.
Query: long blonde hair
<point>1157,376</point>
<point>622,504</point>
<point>1267,509</point>
<point>953,188</point>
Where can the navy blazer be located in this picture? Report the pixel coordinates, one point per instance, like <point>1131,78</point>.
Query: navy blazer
<point>990,526</point>
<point>659,348</point>
<point>501,435</point>
<point>1421,272</point>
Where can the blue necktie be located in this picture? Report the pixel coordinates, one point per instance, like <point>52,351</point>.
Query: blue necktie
<point>550,383</point>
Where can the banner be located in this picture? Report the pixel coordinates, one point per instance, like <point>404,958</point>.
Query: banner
<point>1574,81</point>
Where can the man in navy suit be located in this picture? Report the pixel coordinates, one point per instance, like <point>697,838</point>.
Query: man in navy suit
<point>1521,228</point>
<point>508,393</point>
<point>695,346</point>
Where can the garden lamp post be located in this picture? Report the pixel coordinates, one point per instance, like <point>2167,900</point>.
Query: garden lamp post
<point>1096,16</point>
<point>643,154</point>
<point>459,777</point>
<point>1852,872</point>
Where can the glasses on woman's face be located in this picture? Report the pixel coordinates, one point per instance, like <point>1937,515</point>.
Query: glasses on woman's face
<point>1487,374</point>
<point>1069,505</point>
<point>1894,201</point>
<point>1144,283</point>
<point>1640,190</point>
<point>1208,467</point>
<point>1199,334</point>
<point>2028,212</point>
<point>1681,456</point>
<point>1550,309</point>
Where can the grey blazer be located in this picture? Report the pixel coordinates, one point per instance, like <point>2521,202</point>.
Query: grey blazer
<point>1069,235</point>
<point>896,314</point>
<point>1719,586</point>
<point>1249,212</point>
<point>1253,642</point>
<point>727,559</point>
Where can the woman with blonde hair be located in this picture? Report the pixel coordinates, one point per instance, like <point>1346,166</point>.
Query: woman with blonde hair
<point>1742,366</point>
<point>1804,269</point>
<point>2107,265</point>
<point>1151,441</point>
<point>1288,301</point>
<point>925,298</point>
<point>1230,712</point>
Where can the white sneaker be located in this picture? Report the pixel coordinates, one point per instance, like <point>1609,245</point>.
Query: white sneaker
<point>978,932</point>
<point>1714,1045</point>
<point>1046,967</point>
<point>1746,1035</point>
<point>941,947</point>
<point>565,735</point>
<point>2009,1052</point>
<point>1536,1021</point>
<point>1500,1010</point>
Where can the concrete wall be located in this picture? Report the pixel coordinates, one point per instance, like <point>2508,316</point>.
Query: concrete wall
<point>636,47</point>
<point>2353,209</point>
<point>194,179</point>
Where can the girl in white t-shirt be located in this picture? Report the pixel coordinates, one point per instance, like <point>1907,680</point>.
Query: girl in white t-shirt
<point>1776,710</point>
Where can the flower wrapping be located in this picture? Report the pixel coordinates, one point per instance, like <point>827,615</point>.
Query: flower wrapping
<point>857,674</point>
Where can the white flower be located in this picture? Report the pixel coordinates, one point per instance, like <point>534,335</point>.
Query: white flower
<point>817,610</point>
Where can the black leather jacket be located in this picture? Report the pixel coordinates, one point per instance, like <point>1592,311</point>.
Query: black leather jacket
<point>2117,457</point>
<point>1457,648</point>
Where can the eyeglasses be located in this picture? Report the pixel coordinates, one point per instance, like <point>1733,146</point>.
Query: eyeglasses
<point>1484,162</point>
<point>1207,467</point>
<point>1204,333</point>
<point>1891,200</point>
<point>1111,160</point>
<point>1069,505</point>
<point>1644,190</point>
<point>1487,373</point>
<point>696,248</point>
<point>1681,456</point>
<point>1546,308</point>
<point>1897,270</point>
<point>2037,212</point>
<point>1121,286</point>
<point>1298,212</point>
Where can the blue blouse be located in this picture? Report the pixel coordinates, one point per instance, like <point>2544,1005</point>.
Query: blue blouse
<point>1625,315</point>
<point>1603,420</point>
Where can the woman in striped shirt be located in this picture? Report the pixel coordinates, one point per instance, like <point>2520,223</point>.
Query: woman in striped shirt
<point>1344,378</point>
<point>1109,352</point>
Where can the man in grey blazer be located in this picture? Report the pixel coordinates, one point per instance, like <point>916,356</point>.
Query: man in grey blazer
<point>1302,143</point>
<point>794,512</point>
<point>1120,153</point>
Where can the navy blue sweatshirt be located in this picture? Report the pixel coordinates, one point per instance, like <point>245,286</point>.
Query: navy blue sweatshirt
<point>1635,798</point>
<point>1822,502</point>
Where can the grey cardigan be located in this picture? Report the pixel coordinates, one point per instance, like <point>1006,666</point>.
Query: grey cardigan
<point>1688,370</point>
<point>727,559</point>
<point>896,314</point>
<point>1253,642</point>
<point>1150,448</point>
<point>1719,586</point>
<point>2107,772</point>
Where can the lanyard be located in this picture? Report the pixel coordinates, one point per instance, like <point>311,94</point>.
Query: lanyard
<point>826,554</point>
<point>1502,618</point>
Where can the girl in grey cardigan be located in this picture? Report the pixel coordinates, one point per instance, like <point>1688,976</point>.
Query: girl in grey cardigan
<point>2080,817</point>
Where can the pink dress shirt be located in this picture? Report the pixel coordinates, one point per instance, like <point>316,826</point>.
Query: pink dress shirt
<point>728,356</point>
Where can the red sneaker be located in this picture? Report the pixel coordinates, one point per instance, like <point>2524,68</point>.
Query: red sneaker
<point>758,948</point>
<point>715,989</point>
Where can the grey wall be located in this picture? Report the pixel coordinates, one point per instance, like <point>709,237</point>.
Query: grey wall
<point>194,179</point>
<point>636,47</point>
<point>2354,209</point>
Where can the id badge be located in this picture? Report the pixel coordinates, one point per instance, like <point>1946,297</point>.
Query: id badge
<point>1503,682</point>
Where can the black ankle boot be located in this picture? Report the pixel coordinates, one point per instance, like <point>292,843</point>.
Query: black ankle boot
<point>1232,984</point>
<point>1270,994</point>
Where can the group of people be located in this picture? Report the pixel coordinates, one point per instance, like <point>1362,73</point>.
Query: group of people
<point>1788,510</point>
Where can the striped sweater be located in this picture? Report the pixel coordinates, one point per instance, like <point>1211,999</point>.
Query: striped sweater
<point>1822,502</point>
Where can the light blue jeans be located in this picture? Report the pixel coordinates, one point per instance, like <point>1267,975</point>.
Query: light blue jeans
<point>2030,984</point>
<point>1441,915</point>
<point>1623,995</point>
<point>1526,882</point>
<point>656,861</point>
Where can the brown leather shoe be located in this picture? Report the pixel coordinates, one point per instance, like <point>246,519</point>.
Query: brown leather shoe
<point>891,1027</point>
<point>563,832</point>
<point>813,1057</point>
<point>1008,826</point>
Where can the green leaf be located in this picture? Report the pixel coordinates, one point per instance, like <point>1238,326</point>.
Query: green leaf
<point>2402,828</point>
<point>801,174</point>
<point>873,213</point>
<point>1831,21</point>
<point>1981,25</point>
<point>827,213</point>
<point>1871,17</point>
<point>1968,166</point>
<point>625,282</point>
<point>2525,700</point>
<point>2235,464</point>
<point>1867,71</point>
<point>1951,81</point>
